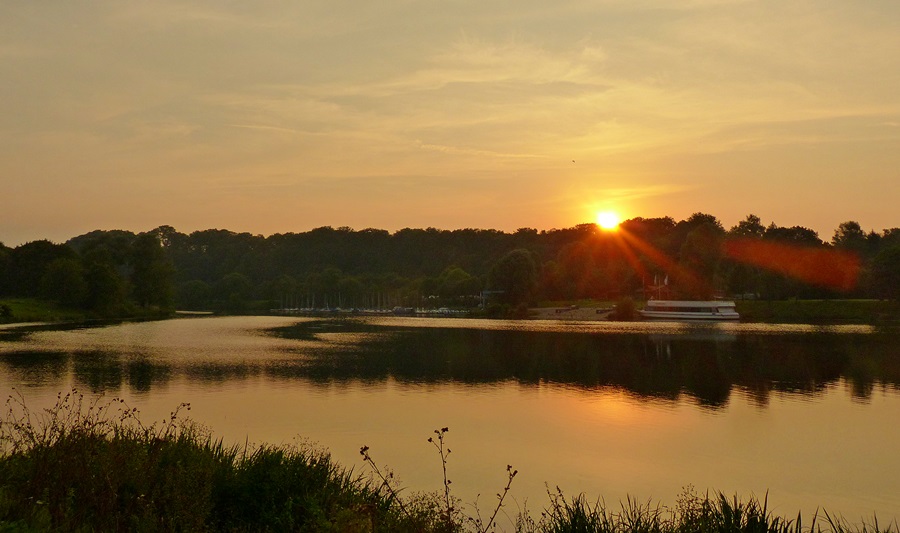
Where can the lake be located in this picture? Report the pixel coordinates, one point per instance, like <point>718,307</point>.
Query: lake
<point>805,415</point>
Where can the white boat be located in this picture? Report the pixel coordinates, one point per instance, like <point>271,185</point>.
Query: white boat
<point>690,310</point>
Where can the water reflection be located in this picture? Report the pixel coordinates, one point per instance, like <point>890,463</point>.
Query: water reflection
<point>704,364</point>
<point>610,409</point>
<point>220,373</point>
<point>36,368</point>
<point>143,375</point>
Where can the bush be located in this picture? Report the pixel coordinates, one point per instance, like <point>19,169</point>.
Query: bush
<point>624,311</point>
<point>89,466</point>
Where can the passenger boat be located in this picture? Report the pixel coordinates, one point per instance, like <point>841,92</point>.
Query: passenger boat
<point>690,310</point>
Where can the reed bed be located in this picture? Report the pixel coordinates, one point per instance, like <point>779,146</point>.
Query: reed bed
<point>692,514</point>
<point>87,465</point>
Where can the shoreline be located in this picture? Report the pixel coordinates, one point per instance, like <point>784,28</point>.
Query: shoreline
<point>593,314</point>
<point>814,312</point>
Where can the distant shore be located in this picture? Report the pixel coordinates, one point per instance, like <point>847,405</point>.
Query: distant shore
<point>570,313</point>
<point>849,311</point>
<point>867,312</point>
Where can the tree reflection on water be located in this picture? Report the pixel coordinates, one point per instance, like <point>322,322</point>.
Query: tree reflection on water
<point>705,365</point>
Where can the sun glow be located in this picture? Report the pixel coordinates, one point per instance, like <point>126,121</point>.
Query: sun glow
<point>608,220</point>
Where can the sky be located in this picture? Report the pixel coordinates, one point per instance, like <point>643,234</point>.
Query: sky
<point>277,116</point>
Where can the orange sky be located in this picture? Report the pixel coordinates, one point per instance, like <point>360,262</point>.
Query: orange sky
<point>277,116</point>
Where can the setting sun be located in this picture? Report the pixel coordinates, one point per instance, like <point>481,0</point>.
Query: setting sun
<point>607,220</point>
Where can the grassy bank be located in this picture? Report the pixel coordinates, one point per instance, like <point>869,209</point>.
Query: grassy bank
<point>32,310</point>
<point>18,310</point>
<point>86,466</point>
<point>874,312</point>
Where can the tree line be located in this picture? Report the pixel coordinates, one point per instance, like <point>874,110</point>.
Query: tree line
<point>115,272</point>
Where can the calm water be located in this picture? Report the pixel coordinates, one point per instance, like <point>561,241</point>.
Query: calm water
<point>809,414</point>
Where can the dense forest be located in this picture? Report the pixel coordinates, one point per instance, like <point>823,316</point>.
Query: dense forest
<point>114,273</point>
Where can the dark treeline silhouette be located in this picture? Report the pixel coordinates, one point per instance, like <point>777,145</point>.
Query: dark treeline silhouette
<point>112,272</point>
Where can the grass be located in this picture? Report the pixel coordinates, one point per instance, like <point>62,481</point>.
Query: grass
<point>18,310</point>
<point>89,466</point>
<point>875,312</point>
<point>33,310</point>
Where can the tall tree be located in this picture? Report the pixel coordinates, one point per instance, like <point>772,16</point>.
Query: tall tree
<point>699,261</point>
<point>28,263</point>
<point>886,272</point>
<point>850,236</point>
<point>750,227</point>
<point>5,269</point>
<point>106,287</point>
<point>193,295</point>
<point>63,281</point>
<point>151,273</point>
<point>234,291</point>
<point>515,275</point>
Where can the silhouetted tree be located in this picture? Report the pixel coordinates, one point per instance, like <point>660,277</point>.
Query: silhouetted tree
<point>373,267</point>
<point>749,227</point>
<point>793,235</point>
<point>151,273</point>
<point>743,278</point>
<point>115,245</point>
<point>699,261</point>
<point>516,275</point>
<point>193,295</point>
<point>5,269</point>
<point>282,291</point>
<point>234,291</point>
<point>29,262</point>
<point>886,273</point>
<point>850,236</point>
<point>63,281</point>
<point>776,285</point>
<point>106,288</point>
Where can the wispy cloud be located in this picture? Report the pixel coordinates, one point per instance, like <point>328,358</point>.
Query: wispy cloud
<point>653,99</point>
<point>473,152</point>
<point>264,127</point>
<point>632,194</point>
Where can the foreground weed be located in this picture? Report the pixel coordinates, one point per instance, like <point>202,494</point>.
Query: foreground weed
<point>692,514</point>
<point>75,416</point>
<point>451,518</point>
<point>89,465</point>
<point>93,466</point>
